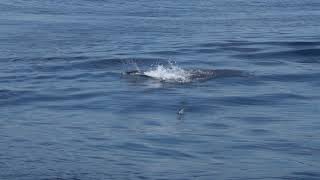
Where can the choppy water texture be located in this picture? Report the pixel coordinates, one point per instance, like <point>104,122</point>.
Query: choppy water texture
<point>97,89</point>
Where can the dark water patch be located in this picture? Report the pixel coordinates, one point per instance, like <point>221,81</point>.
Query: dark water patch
<point>230,73</point>
<point>119,63</point>
<point>241,49</point>
<point>73,96</point>
<point>282,96</point>
<point>292,54</point>
<point>202,106</point>
<point>20,140</point>
<point>158,151</point>
<point>308,175</point>
<point>302,53</point>
<point>314,60</point>
<point>282,147</point>
<point>98,139</point>
<point>301,43</point>
<point>259,120</point>
<point>60,178</point>
<point>263,62</point>
<point>261,100</point>
<point>51,59</point>
<point>217,125</point>
<point>236,46</point>
<point>42,77</point>
<point>210,45</point>
<point>52,67</point>
<point>7,93</point>
<point>151,123</point>
<point>99,64</point>
<point>244,101</point>
<point>173,141</point>
<point>242,43</point>
<point>48,144</point>
<point>78,106</point>
<point>69,64</point>
<point>77,128</point>
<point>259,132</point>
<point>8,97</point>
<point>246,79</point>
<point>99,147</point>
<point>147,106</point>
<point>292,43</point>
<point>206,51</point>
<point>64,58</point>
<point>167,53</point>
<point>56,64</point>
<point>88,76</point>
<point>14,78</point>
<point>225,44</point>
<point>75,76</point>
<point>302,77</point>
<point>33,97</point>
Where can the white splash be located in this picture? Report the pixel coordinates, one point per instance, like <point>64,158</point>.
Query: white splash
<point>171,73</point>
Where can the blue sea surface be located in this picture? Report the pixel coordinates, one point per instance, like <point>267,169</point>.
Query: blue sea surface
<point>163,90</point>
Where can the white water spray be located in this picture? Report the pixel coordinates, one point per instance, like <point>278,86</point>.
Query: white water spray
<point>171,73</point>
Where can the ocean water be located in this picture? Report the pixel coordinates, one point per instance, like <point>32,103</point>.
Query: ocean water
<point>106,89</point>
